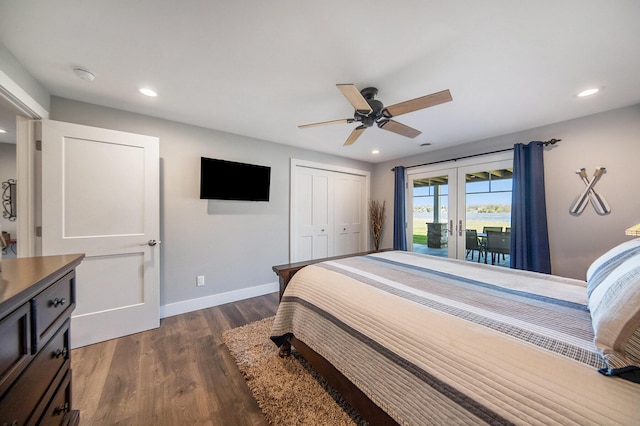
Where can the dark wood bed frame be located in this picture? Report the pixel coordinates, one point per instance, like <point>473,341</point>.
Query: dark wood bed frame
<point>350,392</point>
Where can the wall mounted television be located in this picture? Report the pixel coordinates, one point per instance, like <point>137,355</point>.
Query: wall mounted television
<point>229,180</point>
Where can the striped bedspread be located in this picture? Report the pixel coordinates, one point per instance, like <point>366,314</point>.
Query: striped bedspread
<point>441,341</point>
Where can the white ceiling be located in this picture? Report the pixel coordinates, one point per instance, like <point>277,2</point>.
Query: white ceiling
<point>261,68</point>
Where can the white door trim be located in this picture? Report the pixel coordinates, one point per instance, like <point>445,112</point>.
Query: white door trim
<point>25,158</point>
<point>19,98</point>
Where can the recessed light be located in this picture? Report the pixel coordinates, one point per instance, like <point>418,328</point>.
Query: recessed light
<point>588,92</point>
<point>375,151</point>
<point>3,131</point>
<point>148,92</point>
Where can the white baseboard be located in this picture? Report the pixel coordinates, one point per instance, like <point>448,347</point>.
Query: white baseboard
<point>191,305</point>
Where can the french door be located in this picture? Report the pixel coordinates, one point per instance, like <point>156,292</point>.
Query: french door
<point>449,208</point>
<point>432,209</point>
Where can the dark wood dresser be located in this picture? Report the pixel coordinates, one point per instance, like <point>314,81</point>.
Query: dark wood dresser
<point>37,296</point>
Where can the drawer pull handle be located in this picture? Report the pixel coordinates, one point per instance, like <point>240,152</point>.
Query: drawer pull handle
<point>58,302</point>
<point>60,352</point>
<point>64,408</point>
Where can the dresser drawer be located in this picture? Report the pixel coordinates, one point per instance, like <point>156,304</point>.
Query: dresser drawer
<point>15,345</point>
<point>58,410</point>
<point>51,307</point>
<point>28,391</point>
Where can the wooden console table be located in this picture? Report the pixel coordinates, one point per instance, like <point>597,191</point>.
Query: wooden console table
<point>37,296</point>
<point>286,271</point>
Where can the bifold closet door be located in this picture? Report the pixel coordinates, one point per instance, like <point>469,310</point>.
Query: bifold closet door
<point>349,203</point>
<point>328,213</point>
<point>312,214</point>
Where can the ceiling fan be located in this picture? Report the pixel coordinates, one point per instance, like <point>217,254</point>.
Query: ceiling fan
<point>369,111</point>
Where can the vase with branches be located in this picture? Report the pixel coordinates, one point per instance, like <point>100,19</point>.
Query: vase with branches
<point>376,221</point>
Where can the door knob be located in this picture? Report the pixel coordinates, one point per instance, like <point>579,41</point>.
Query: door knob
<point>152,243</point>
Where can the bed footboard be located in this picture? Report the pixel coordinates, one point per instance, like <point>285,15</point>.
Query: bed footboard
<point>287,271</point>
<point>354,396</point>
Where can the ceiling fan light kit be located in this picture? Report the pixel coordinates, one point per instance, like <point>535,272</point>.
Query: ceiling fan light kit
<point>369,111</point>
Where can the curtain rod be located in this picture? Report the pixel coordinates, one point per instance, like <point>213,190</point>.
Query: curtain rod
<point>549,142</point>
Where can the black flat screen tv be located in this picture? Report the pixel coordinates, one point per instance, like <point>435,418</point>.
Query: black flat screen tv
<point>229,180</point>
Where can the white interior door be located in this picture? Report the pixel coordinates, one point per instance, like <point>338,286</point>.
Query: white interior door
<point>100,196</point>
<point>349,201</point>
<point>312,214</point>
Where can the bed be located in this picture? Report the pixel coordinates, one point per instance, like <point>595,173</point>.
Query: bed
<point>414,339</point>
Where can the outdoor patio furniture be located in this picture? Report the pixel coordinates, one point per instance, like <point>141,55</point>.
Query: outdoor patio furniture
<point>497,243</point>
<point>492,228</point>
<point>473,244</point>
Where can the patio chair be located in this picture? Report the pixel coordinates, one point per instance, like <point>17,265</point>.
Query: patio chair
<point>472,243</point>
<point>497,243</point>
<point>492,228</point>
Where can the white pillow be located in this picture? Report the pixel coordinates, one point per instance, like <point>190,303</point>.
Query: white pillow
<point>602,266</point>
<point>613,288</point>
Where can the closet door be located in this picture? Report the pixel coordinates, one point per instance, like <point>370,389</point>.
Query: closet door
<point>328,211</point>
<point>312,214</point>
<point>349,200</point>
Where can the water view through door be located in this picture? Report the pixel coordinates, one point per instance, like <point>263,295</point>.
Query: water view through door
<point>487,215</point>
<point>431,215</point>
<point>463,212</point>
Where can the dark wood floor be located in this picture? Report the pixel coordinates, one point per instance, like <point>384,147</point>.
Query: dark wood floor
<point>178,374</point>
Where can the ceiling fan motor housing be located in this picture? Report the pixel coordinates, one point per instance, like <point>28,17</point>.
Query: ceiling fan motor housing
<point>369,93</point>
<point>368,120</point>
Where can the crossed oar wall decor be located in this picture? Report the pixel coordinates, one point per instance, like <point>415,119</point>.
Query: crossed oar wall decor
<point>598,201</point>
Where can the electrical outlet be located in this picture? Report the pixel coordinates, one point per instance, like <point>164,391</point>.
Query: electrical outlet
<point>200,281</point>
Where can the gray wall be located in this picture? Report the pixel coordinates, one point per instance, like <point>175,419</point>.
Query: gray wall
<point>16,72</point>
<point>233,244</point>
<point>610,139</point>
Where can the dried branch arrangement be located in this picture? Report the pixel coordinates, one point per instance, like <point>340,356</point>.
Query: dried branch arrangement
<point>376,220</point>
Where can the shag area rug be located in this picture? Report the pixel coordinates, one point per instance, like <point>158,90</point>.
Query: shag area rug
<point>288,390</point>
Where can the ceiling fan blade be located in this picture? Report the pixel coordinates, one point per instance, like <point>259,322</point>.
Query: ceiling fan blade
<point>417,104</point>
<point>355,135</point>
<point>323,123</point>
<point>355,98</point>
<point>399,128</point>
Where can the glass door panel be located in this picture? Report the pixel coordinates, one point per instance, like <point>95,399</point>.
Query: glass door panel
<point>430,205</point>
<point>485,207</point>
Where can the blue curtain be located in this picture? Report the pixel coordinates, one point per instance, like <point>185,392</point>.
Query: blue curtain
<point>529,235</point>
<point>399,213</point>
